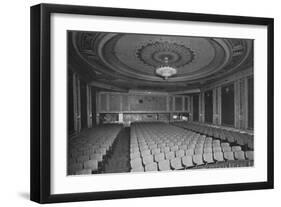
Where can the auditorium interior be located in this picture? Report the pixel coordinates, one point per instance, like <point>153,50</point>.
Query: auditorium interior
<point>146,102</point>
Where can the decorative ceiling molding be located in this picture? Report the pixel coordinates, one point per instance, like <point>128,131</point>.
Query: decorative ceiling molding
<point>128,61</point>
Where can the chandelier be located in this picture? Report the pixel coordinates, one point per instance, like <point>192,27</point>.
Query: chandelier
<point>166,71</point>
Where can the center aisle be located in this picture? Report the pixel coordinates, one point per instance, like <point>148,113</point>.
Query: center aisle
<point>119,159</point>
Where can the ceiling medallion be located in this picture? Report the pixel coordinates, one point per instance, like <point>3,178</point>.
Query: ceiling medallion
<point>166,71</point>
<point>153,54</point>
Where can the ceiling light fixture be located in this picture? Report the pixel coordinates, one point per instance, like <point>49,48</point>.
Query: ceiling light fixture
<point>166,71</point>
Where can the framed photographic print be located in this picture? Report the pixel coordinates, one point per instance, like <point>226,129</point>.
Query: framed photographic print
<point>133,103</point>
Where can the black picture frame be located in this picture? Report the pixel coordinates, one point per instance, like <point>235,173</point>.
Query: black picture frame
<point>41,95</point>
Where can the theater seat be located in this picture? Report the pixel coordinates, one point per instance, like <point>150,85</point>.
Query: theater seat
<point>228,155</point>
<point>198,151</point>
<point>136,163</point>
<point>189,152</point>
<point>226,149</point>
<point>224,144</point>
<point>134,150</point>
<point>169,155</point>
<point>183,147</point>
<point>198,159</point>
<point>96,156</point>
<point>208,157</point>
<point>216,149</point>
<point>147,159</point>
<point>249,155</point>
<point>218,156</point>
<point>187,161</point>
<point>145,153</point>
<point>180,153</point>
<point>151,167</point>
<point>174,148</point>
<point>165,149</point>
<point>176,164</point>
<point>239,155</point>
<point>208,150</point>
<point>153,146</point>
<point>159,157</point>
<point>91,164</point>
<point>235,148</point>
<point>134,155</point>
<point>164,165</point>
<point>102,151</point>
<point>155,151</point>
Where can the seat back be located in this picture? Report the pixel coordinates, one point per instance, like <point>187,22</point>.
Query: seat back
<point>174,148</point>
<point>239,155</point>
<point>165,149</point>
<point>170,155</point>
<point>187,161</point>
<point>198,151</point>
<point>235,148</point>
<point>136,163</point>
<point>164,165</point>
<point>183,147</point>
<point>91,164</point>
<point>208,157</point>
<point>96,156</point>
<point>228,155</point>
<point>145,153</point>
<point>180,153</point>
<point>198,159</point>
<point>208,150</point>
<point>176,163</point>
<point>226,149</point>
<point>189,152</point>
<point>218,156</point>
<point>151,167</point>
<point>159,157</point>
<point>249,155</point>
<point>216,149</point>
<point>155,151</point>
<point>147,159</point>
<point>224,144</point>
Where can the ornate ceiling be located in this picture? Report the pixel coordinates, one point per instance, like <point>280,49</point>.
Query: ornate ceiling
<point>128,61</point>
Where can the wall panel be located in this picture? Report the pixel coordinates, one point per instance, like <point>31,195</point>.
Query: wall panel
<point>114,102</point>
<point>178,104</point>
<point>227,105</point>
<point>122,102</point>
<point>103,102</point>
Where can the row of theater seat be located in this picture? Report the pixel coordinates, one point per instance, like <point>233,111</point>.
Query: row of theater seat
<point>225,134</point>
<point>88,151</point>
<point>159,146</point>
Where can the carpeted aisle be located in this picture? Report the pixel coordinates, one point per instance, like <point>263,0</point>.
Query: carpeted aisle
<point>119,160</point>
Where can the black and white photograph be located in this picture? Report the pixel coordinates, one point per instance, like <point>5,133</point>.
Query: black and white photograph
<point>133,103</point>
<point>142,103</point>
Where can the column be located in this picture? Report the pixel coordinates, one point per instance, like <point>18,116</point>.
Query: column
<point>237,104</point>
<point>191,108</point>
<point>215,113</point>
<point>89,106</point>
<point>219,105</point>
